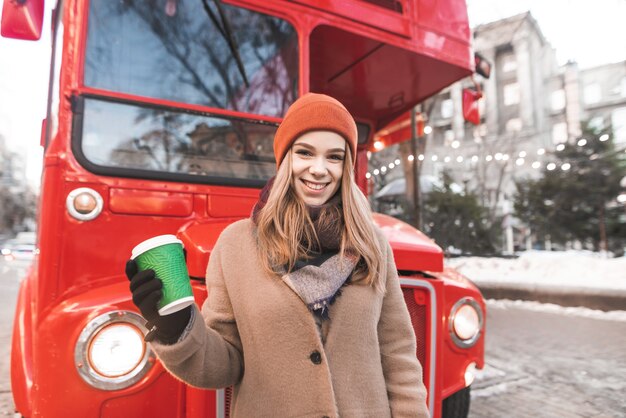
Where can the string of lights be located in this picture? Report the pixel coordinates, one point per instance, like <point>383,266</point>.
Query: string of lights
<point>521,159</point>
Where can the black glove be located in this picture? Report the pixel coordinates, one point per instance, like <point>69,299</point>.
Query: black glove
<point>146,290</point>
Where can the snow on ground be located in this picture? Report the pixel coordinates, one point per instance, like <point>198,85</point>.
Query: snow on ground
<point>556,309</point>
<point>576,269</point>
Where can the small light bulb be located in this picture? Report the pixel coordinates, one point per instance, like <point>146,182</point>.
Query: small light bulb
<point>84,203</point>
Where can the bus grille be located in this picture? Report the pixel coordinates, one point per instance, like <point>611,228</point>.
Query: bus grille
<point>419,320</point>
<point>228,399</point>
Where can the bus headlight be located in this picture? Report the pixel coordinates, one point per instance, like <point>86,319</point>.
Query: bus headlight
<point>466,322</point>
<point>110,353</point>
<point>84,204</point>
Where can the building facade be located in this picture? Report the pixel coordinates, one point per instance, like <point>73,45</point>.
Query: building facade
<point>515,130</point>
<point>529,106</point>
<point>601,98</point>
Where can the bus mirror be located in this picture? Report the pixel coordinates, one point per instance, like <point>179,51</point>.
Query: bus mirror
<point>483,67</point>
<point>22,19</point>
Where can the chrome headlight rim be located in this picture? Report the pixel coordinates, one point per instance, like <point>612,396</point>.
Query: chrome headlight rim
<point>81,352</point>
<point>69,204</point>
<point>459,342</point>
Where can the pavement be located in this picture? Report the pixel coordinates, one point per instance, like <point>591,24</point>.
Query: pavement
<point>550,365</point>
<point>592,298</point>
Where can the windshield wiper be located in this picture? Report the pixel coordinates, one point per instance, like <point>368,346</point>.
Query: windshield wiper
<point>226,31</point>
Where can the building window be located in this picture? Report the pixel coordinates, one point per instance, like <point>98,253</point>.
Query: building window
<point>557,100</point>
<point>618,121</point>
<point>592,93</point>
<point>482,107</point>
<point>513,125</point>
<point>482,129</point>
<point>511,94</point>
<point>447,108</point>
<point>559,132</point>
<point>509,63</point>
<point>596,123</point>
<point>448,137</point>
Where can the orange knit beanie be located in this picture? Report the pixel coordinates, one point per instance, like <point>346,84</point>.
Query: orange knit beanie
<point>314,112</point>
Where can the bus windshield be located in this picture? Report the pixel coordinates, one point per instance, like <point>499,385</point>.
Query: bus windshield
<point>161,143</point>
<point>201,52</point>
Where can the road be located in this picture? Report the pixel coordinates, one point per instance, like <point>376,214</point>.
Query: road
<point>10,275</point>
<point>551,365</point>
<point>548,365</point>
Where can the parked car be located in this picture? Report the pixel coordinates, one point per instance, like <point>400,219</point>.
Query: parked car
<point>22,247</point>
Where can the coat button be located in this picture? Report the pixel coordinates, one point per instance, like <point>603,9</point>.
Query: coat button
<point>316,357</point>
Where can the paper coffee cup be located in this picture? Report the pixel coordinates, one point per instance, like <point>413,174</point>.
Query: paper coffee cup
<point>164,254</point>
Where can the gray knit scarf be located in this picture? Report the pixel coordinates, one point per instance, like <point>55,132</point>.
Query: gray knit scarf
<point>318,281</point>
<point>318,278</point>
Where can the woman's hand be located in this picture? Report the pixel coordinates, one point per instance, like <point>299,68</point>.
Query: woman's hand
<point>146,290</point>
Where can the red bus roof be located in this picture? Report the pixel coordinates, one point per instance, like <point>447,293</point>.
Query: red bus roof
<point>380,61</point>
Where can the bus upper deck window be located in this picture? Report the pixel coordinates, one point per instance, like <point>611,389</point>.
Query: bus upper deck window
<point>183,54</point>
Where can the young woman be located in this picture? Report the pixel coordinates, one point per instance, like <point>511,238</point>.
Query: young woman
<point>305,316</point>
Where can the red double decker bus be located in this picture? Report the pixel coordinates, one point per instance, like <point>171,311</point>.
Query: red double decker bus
<point>161,116</point>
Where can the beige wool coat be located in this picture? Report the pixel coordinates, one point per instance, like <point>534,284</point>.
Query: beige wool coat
<point>259,336</point>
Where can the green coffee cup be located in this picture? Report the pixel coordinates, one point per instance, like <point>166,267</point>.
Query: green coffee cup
<point>164,254</point>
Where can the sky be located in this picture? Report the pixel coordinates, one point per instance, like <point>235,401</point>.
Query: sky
<point>24,71</point>
<point>590,32</point>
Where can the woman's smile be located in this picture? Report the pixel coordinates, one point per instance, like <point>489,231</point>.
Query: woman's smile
<point>315,186</point>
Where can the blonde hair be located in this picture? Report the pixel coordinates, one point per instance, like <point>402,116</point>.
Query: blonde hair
<point>285,231</point>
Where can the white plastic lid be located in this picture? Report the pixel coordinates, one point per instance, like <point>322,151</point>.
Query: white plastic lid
<point>176,306</point>
<point>153,243</point>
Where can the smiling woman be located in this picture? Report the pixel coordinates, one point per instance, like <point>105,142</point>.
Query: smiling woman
<point>312,257</point>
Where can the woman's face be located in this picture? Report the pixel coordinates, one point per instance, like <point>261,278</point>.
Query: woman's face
<point>317,165</point>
